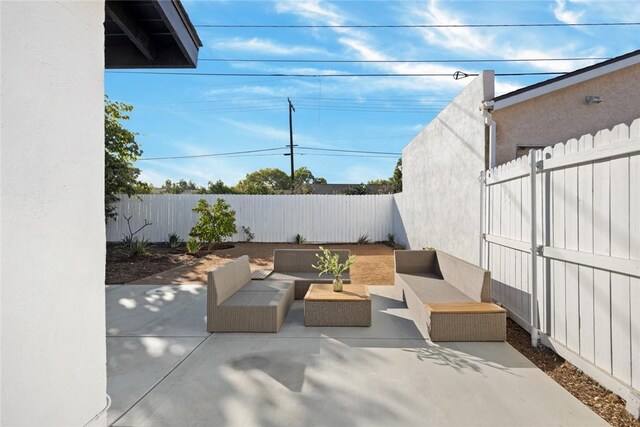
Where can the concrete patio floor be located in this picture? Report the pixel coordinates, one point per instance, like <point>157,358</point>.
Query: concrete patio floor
<point>164,369</point>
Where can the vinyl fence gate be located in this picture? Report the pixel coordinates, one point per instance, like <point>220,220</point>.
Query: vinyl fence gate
<point>561,228</point>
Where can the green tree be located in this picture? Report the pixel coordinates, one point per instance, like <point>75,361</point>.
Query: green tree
<point>121,150</point>
<point>379,182</point>
<point>264,181</point>
<point>143,188</point>
<point>356,190</point>
<point>216,222</point>
<point>180,187</point>
<point>396,178</point>
<point>217,187</point>
<point>303,178</point>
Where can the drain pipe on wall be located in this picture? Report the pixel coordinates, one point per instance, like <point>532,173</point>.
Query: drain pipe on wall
<point>487,109</point>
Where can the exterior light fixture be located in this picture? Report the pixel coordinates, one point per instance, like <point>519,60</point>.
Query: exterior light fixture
<point>593,99</point>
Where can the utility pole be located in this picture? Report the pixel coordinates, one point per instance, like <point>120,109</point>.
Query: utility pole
<point>291,109</point>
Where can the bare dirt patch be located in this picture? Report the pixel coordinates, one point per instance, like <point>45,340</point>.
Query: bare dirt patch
<point>374,263</point>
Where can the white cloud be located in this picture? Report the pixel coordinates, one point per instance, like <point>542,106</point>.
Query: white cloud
<point>567,50</point>
<point>260,132</point>
<point>316,10</point>
<point>562,14</point>
<point>263,46</point>
<point>201,171</point>
<point>151,176</point>
<point>451,38</point>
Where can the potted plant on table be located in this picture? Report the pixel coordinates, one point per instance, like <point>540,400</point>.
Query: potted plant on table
<point>329,263</point>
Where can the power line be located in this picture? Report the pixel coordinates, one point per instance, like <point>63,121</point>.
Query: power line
<point>211,155</point>
<point>168,73</point>
<point>349,151</point>
<point>379,156</point>
<point>250,153</point>
<point>551,24</point>
<point>399,61</point>
<point>275,100</point>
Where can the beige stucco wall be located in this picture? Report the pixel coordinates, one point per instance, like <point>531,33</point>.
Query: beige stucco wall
<point>440,201</point>
<point>564,114</point>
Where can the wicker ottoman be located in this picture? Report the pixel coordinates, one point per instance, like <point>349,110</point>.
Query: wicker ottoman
<point>323,307</point>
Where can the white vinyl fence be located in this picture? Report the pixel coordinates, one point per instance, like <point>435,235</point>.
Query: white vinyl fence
<point>586,251</point>
<point>318,218</point>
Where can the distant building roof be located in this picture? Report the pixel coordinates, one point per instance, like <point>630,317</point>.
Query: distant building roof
<point>568,79</point>
<point>149,34</point>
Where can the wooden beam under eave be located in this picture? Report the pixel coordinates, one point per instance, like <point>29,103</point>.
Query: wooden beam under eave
<point>118,13</point>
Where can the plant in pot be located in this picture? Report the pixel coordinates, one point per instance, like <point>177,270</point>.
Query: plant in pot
<point>329,263</point>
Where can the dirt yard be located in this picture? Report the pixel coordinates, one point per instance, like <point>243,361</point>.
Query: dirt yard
<point>374,263</point>
<point>374,266</point>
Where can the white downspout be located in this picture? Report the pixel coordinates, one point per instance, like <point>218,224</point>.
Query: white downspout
<point>487,109</point>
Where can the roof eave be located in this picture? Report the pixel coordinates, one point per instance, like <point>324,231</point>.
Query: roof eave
<point>566,80</point>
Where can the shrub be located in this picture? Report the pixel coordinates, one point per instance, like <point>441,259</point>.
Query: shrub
<point>300,239</point>
<point>174,241</point>
<point>137,247</point>
<point>391,240</point>
<point>216,222</point>
<point>248,234</point>
<point>363,240</point>
<point>193,246</point>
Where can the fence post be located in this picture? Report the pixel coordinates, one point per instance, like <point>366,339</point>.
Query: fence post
<point>483,230</point>
<point>534,251</point>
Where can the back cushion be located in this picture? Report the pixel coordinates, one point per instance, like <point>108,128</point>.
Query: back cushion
<point>300,260</point>
<point>468,278</point>
<point>416,262</point>
<point>243,271</point>
<point>225,280</point>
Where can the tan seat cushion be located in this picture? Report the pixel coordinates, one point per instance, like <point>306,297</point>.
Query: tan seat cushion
<point>430,288</point>
<point>267,285</point>
<point>254,298</point>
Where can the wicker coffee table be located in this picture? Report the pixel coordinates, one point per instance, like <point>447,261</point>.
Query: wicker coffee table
<point>323,307</point>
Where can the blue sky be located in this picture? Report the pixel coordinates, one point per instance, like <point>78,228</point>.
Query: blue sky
<point>192,115</point>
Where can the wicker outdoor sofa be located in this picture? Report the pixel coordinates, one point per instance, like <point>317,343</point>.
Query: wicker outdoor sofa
<point>295,265</point>
<point>235,303</point>
<point>450,296</point>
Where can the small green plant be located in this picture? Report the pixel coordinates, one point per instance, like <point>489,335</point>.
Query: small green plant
<point>429,248</point>
<point>174,241</point>
<point>216,222</point>
<point>391,242</point>
<point>248,234</point>
<point>137,247</point>
<point>329,263</point>
<point>363,240</point>
<point>193,246</point>
<point>300,239</point>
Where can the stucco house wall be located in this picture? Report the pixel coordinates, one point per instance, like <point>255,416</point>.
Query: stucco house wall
<point>440,201</point>
<point>564,114</point>
<point>52,231</point>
